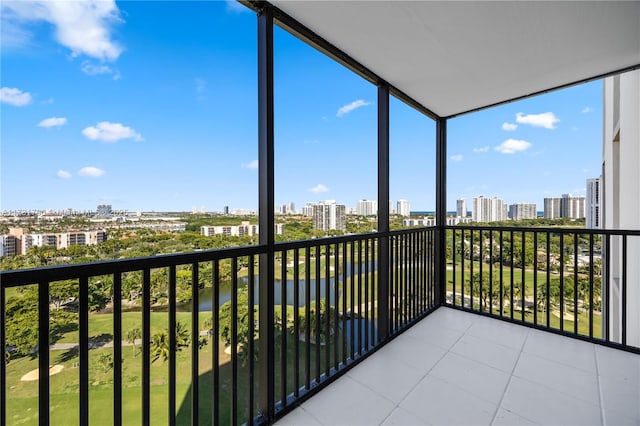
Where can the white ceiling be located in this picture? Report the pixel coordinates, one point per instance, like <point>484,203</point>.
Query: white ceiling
<point>452,57</point>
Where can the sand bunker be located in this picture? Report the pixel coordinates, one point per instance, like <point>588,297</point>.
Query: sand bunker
<point>34,375</point>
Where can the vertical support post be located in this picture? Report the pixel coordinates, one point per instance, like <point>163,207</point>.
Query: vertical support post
<point>441,209</point>
<point>266,212</point>
<point>383,212</point>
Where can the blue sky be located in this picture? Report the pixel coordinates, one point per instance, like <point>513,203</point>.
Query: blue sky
<point>152,106</point>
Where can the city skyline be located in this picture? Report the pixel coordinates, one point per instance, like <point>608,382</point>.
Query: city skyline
<point>157,115</point>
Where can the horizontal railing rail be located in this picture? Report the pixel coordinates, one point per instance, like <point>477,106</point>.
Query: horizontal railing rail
<point>577,282</point>
<point>174,338</point>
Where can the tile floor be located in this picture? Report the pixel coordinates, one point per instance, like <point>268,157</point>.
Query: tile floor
<point>457,368</point>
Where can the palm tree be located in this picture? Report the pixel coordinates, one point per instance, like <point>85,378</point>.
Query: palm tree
<point>133,335</point>
<point>160,345</point>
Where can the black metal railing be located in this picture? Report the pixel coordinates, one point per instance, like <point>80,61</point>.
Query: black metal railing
<point>187,329</point>
<point>571,281</point>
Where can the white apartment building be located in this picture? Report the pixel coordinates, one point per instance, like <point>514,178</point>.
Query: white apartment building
<point>307,209</point>
<point>488,209</point>
<point>328,215</point>
<point>245,228</point>
<point>521,211</point>
<point>572,207</point>
<point>367,208</point>
<point>461,207</point>
<point>621,196</point>
<point>425,221</point>
<point>593,210</point>
<point>552,208</point>
<point>403,208</point>
<point>453,221</point>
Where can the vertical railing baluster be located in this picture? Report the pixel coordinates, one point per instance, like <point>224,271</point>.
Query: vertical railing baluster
<point>344,302</point>
<point>195,337</point>
<point>359,299</point>
<point>336,304</point>
<point>607,289</point>
<point>234,341</point>
<point>284,333</point>
<point>3,349</point>
<point>480,289</point>
<point>215,353</point>
<point>561,281</point>
<point>327,308</point>
<point>575,283</point>
<point>296,321</point>
<point>172,345</point>
<point>366,293</point>
<point>317,316</point>
<point>116,301</point>
<point>471,252</point>
<point>307,317</point>
<point>491,272</point>
<point>511,271</point>
<point>501,266</point>
<point>251,343</point>
<point>454,248</point>
<point>43,353</point>
<point>591,284</point>
<point>352,283</point>
<point>535,277</point>
<point>146,345</point>
<point>548,283</point>
<point>462,256</point>
<point>624,290</point>
<point>523,285</point>
<point>83,350</point>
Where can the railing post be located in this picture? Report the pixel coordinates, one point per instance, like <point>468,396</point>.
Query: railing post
<point>383,211</point>
<point>441,210</point>
<point>266,213</point>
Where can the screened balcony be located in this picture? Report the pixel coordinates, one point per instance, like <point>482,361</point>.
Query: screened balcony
<point>400,326</point>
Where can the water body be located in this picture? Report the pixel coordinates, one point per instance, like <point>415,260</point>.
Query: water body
<point>206,300</point>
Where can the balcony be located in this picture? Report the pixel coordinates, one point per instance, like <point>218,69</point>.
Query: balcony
<point>472,325</point>
<point>490,354</point>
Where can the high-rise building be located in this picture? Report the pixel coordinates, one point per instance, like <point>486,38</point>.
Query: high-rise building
<point>593,204</point>
<point>522,211</point>
<point>620,200</point>
<point>572,207</point>
<point>292,208</point>
<point>461,208</point>
<point>104,210</point>
<point>367,208</point>
<point>403,208</point>
<point>225,210</point>
<point>552,208</point>
<point>307,209</point>
<point>328,215</point>
<point>488,209</point>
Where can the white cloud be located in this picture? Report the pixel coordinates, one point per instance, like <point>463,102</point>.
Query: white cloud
<point>92,69</point>
<point>53,122</point>
<point>319,188</point>
<point>91,171</point>
<point>251,165</point>
<point>350,107</point>
<point>106,131</point>
<point>201,85</point>
<point>586,110</point>
<point>511,146</point>
<point>482,149</point>
<point>63,174</point>
<point>509,127</point>
<point>15,97</point>
<point>456,157</point>
<point>546,119</point>
<point>84,27</point>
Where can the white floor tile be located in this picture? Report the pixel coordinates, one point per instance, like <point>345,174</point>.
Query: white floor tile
<point>439,402</point>
<point>347,402</point>
<point>400,416</point>
<point>571,381</point>
<point>420,355</point>
<point>479,379</point>
<point>617,364</point>
<point>487,352</point>
<point>452,318</point>
<point>500,332</point>
<point>298,417</point>
<point>546,406</point>
<point>620,399</point>
<point>393,380</point>
<point>507,418</point>
<point>572,352</point>
<point>431,333</point>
